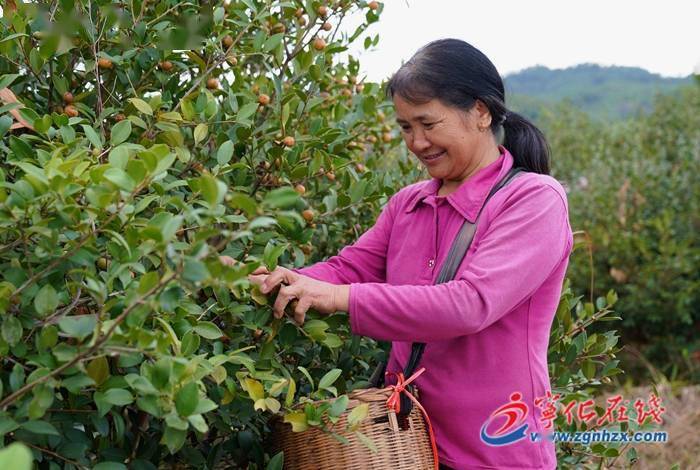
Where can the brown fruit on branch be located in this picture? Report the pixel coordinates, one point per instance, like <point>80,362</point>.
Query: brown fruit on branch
<point>289,141</point>
<point>308,215</point>
<point>322,11</point>
<point>299,13</point>
<point>327,26</point>
<point>212,84</point>
<point>68,97</point>
<point>319,44</point>
<point>387,137</point>
<point>279,28</point>
<point>70,111</point>
<point>330,175</point>
<point>227,41</point>
<point>165,66</point>
<point>119,117</point>
<point>104,63</point>
<point>299,188</point>
<point>263,99</point>
<point>373,5</point>
<point>102,263</point>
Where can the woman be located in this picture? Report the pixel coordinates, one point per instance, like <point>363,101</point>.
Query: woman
<point>487,330</point>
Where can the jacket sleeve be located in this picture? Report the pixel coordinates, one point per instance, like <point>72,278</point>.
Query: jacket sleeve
<point>364,261</point>
<point>523,245</point>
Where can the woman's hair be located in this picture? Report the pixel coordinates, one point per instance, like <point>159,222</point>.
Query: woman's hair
<point>457,74</point>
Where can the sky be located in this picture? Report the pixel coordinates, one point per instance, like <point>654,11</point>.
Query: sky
<point>662,37</point>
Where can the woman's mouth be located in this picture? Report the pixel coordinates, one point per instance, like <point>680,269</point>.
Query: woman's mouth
<point>433,157</point>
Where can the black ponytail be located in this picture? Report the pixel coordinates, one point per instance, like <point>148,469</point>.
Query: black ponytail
<point>458,74</point>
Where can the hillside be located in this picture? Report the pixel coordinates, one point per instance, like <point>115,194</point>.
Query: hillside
<point>603,92</point>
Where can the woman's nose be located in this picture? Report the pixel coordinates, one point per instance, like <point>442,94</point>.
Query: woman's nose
<point>420,143</point>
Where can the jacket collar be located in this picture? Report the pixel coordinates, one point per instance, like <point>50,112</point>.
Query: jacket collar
<point>471,194</point>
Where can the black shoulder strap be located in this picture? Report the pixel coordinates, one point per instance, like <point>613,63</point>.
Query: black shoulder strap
<point>454,259</point>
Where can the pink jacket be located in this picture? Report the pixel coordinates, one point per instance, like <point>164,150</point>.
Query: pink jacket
<point>486,331</point>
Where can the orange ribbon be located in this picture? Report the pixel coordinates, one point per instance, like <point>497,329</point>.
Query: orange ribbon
<point>394,403</point>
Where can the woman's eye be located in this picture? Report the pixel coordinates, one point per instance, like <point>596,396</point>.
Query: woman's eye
<point>428,125</point>
<point>405,128</point>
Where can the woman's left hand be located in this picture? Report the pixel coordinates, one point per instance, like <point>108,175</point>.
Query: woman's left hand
<point>310,293</point>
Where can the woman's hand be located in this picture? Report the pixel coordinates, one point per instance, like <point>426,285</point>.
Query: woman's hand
<point>322,296</point>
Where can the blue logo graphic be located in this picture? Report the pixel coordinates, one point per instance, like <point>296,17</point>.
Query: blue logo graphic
<point>513,430</point>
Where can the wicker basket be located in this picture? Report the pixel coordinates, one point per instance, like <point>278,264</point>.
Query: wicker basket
<point>400,445</point>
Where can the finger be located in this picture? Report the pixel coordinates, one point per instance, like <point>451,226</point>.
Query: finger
<point>285,294</point>
<point>227,261</point>
<point>300,310</point>
<point>257,280</point>
<point>278,276</point>
<point>261,270</point>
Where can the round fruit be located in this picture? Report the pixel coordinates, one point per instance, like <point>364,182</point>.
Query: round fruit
<point>104,63</point>
<point>263,99</point>
<point>289,141</point>
<point>299,13</point>
<point>166,66</point>
<point>279,28</point>
<point>327,26</point>
<point>319,44</point>
<point>322,11</point>
<point>359,87</point>
<point>301,21</point>
<point>371,139</point>
<point>360,167</point>
<point>102,263</point>
<point>373,5</point>
<point>330,175</point>
<point>68,97</point>
<point>299,188</point>
<point>308,215</point>
<point>346,92</point>
<point>387,137</point>
<point>212,84</point>
<point>227,41</point>
<point>232,60</point>
<point>70,111</point>
<point>119,117</point>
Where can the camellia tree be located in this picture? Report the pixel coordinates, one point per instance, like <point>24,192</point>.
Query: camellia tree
<point>141,142</point>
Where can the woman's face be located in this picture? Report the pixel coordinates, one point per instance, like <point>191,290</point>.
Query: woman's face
<point>445,139</point>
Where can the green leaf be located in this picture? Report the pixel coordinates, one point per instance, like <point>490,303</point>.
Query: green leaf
<point>339,406</point>
<point>92,136</point>
<point>369,443</point>
<point>7,424</point>
<point>328,379</point>
<point>276,462</point>
<point>208,330</point>
<point>254,388</point>
<point>78,326</point>
<point>120,178</point>
<point>358,414</point>
<point>11,330</point>
<point>6,80</point>
<point>142,106</point>
<point>46,300</point>
<point>40,427</point>
<point>98,370</point>
<point>297,420</point>
<point>272,42</point>
<point>195,270</point>
<point>246,111</point>
<point>200,132</point>
<point>190,343</point>
<point>110,466</point>
<point>186,399</point>
<point>225,152</point>
<point>173,439</point>
<point>282,197</point>
<point>5,124</point>
<point>120,132</point>
<point>16,456</point>
<point>118,397</point>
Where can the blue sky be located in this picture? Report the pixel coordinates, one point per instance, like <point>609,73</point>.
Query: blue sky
<point>662,37</point>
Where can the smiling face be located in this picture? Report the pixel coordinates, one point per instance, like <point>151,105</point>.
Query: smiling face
<point>447,140</point>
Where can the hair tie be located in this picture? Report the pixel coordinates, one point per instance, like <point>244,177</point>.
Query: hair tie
<point>503,118</point>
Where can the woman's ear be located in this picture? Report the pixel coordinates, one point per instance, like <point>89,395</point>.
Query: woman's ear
<point>483,115</point>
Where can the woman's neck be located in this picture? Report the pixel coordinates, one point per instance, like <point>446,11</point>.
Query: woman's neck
<point>487,157</point>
